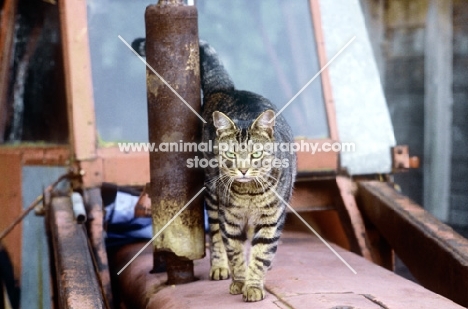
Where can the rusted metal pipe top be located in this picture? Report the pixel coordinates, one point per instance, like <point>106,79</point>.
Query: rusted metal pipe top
<point>170,2</point>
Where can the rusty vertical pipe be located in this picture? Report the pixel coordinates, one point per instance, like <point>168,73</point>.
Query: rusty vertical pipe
<point>172,51</point>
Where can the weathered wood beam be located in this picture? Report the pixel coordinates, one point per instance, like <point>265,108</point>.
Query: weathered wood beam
<point>435,254</point>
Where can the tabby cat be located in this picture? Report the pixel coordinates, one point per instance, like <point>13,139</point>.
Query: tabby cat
<point>243,192</point>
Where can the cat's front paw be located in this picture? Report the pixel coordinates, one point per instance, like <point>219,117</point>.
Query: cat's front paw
<point>236,287</point>
<point>219,273</point>
<point>253,293</point>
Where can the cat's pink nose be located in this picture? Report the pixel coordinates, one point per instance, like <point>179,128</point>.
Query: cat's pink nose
<point>243,170</point>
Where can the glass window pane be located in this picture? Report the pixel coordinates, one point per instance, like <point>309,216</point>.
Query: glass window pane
<point>118,75</point>
<point>268,47</point>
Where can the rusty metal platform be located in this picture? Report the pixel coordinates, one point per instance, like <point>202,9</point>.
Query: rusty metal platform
<point>305,274</point>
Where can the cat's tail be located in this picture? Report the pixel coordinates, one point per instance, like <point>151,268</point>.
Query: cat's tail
<point>214,77</point>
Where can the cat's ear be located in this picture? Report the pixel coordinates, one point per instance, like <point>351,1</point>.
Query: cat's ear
<point>265,122</point>
<point>222,123</point>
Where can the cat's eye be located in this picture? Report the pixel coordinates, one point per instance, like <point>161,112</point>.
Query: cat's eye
<point>257,154</point>
<point>230,155</point>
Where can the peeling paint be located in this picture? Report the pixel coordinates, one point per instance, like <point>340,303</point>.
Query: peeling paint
<point>153,83</point>
<point>173,137</point>
<point>193,59</point>
<point>181,236</point>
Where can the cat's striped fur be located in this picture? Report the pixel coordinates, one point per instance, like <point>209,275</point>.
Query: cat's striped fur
<point>241,201</point>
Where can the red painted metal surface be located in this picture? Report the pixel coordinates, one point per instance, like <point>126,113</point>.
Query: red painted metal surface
<point>305,274</point>
<point>351,218</point>
<point>319,161</point>
<point>12,205</point>
<point>51,155</point>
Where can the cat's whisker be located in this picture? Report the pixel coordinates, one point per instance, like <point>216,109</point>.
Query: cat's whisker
<point>228,189</point>
<point>272,177</point>
<point>261,184</point>
<point>225,182</point>
<point>212,180</point>
<point>270,183</point>
<point>256,181</point>
<point>217,179</point>
<point>222,179</point>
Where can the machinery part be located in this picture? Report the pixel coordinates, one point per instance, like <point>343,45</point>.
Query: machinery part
<point>178,270</point>
<point>77,285</point>
<point>33,205</point>
<point>351,218</point>
<point>79,210</point>
<point>95,228</point>
<point>172,51</point>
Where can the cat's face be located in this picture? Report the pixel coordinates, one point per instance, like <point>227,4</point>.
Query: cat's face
<point>243,154</point>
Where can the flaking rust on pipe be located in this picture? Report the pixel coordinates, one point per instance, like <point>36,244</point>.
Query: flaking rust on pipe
<point>153,83</point>
<point>182,238</point>
<point>172,51</point>
<point>193,59</point>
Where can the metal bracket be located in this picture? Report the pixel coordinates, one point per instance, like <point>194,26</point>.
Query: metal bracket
<point>401,160</point>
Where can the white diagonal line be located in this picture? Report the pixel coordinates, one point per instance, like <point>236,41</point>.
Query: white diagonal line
<point>161,230</point>
<point>315,232</point>
<point>313,78</point>
<point>162,79</point>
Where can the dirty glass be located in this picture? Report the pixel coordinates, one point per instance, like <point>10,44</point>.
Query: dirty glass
<point>119,84</point>
<point>267,46</point>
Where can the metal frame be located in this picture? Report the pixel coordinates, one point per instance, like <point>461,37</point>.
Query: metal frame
<point>97,164</point>
<point>53,155</point>
<point>109,164</point>
<point>12,205</point>
<point>78,79</point>
<point>7,29</point>
<point>325,76</point>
